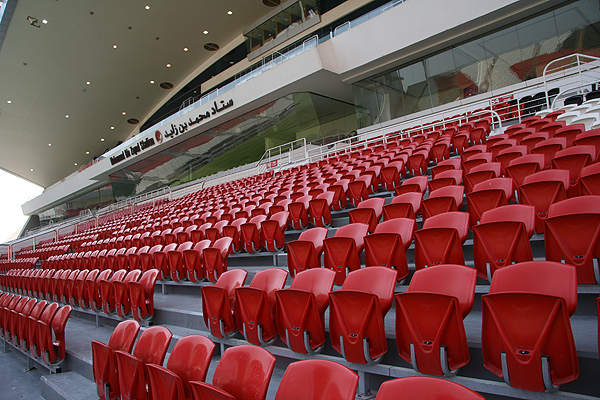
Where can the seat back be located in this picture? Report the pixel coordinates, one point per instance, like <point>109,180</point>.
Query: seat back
<point>305,253</point>
<point>244,373</point>
<point>317,380</point>
<point>424,388</point>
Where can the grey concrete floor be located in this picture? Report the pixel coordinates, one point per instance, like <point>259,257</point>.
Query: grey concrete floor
<point>15,381</point>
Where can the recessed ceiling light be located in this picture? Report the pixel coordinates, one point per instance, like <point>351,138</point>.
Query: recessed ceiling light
<point>230,62</point>
<point>205,32</point>
<point>185,49</point>
<point>87,152</point>
<point>74,163</point>
<point>151,81</point>
<point>114,46</point>
<point>49,144</point>
<point>168,65</point>
<point>147,7</point>
<point>44,21</point>
<point>31,169</point>
<point>124,113</point>
<point>67,116</point>
<point>88,83</point>
<point>229,12</point>
<point>112,127</point>
<point>102,139</point>
<point>9,101</point>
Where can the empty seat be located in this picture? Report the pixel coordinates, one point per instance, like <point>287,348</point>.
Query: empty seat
<point>233,231</point>
<point>255,306</point>
<point>189,361</point>
<point>573,159</point>
<point>368,212</point>
<point>406,205</point>
<point>306,252</point>
<point>342,251</point>
<point>446,178</point>
<point>193,261</point>
<point>141,295</point>
<point>531,347</point>
<point>482,173</point>
<point>218,303</point>
<point>161,262</point>
<point>590,180</point>
<point>299,212</point>
<point>449,198</point>
<point>573,236</point>
<point>502,238</point>
<point>107,290</point>
<point>243,373</point>
<point>445,165</point>
<point>272,231</point>
<point>51,337</point>
<point>589,138</point>
<point>317,380</point>
<point>430,333</point>
<point>440,240</point>
<point>300,311</point>
<point>150,348</point>
<point>103,359</point>
<point>548,148</point>
<point>121,288</point>
<point>214,258</point>
<point>541,190</point>
<point>523,166</point>
<point>388,244</point>
<point>357,312</point>
<point>505,156</point>
<point>319,209</point>
<point>488,195</point>
<point>414,184</point>
<point>424,388</point>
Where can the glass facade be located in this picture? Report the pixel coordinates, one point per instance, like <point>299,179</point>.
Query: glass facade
<point>500,59</point>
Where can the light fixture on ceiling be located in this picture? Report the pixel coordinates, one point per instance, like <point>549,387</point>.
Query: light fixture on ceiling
<point>205,32</point>
<point>88,83</point>
<point>102,139</point>
<point>87,152</point>
<point>168,65</point>
<point>9,101</point>
<point>75,164</point>
<point>31,169</point>
<point>229,12</point>
<point>147,7</point>
<point>114,46</point>
<point>44,21</point>
<point>152,82</point>
<point>112,127</point>
<point>185,49</point>
<point>123,113</point>
<point>211,46</point>
<point>49,144</point>
<point>67,116</point>
<point>33,21</point>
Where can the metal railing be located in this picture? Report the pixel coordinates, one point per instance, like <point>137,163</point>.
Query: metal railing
<point>586,68</point>
<point>285,154</point>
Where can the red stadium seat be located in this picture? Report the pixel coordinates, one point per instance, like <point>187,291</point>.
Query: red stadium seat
<point>150,348</point>
<point>255,306</point>
<point>505,156</point>
<point>121,288</point>
<point>193,261</point>
<point>300,310</point>
<point>299,212</point>
<point>482,173</point>
<point>488,195</point>
<point>414,184</point>
<point>548,148</point>
<point>107,291</point>
<point>319,209</point>
<point>449,198</point>
<point>541,190</point>
<point>175,265</point>
<point>531,140</point>
<point>51,337</point>
<point>445,165</point>
<point>103,359</point>
<point>243,373</point>
<point>388,244</point>
<point>368,212</point>
<point>189,361</point>
<point>523,166</point>
<point>317,380</point>
<point>407,205</point>
<point>305,253</point>
<point>589,138</point>
<point>218,302</point>
<point>590,180</point>
<point>446,178</point>
<point>342,251</point>
<point>573,236</point>
<point>440,240</point>
<point>214,258</point>
<point>233,231</point>
<point>272,231</point>
<point>161,261</point>
<point>531,347</point>
<point>502,238</point>
<point>573,159</point>
<point>357,312</point>
<point>424,388</point>
<point>430,333</point>
<point>141,295</point>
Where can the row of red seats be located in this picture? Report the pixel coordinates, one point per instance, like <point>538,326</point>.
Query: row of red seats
<point>429,329</point>
<point>35,327</point>
<point>123,293</point>
<point>25,263</point>
<point>242,373</point>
